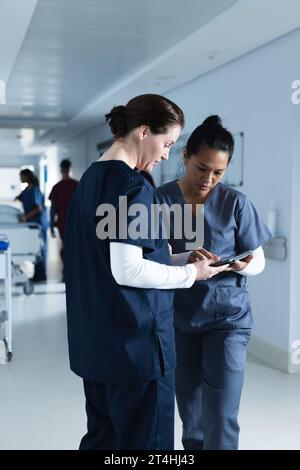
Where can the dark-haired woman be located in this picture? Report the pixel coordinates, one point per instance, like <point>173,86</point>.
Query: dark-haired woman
<point>213,318</point>
<point>119,286</point>
<point>33,202</point>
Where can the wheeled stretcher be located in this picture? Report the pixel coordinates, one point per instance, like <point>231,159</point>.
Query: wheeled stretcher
<point>25,244</point>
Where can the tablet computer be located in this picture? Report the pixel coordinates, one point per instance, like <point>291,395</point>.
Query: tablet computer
<point>232,259</point>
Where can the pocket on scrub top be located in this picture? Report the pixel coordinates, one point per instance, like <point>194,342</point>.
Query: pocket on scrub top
<point>232,301</point>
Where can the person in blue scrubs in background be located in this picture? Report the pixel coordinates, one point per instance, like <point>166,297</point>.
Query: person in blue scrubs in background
<point>119,289</point>
<point>33,202</point>
<point>213,318</point>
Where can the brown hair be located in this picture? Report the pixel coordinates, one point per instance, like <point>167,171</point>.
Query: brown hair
<point>155,111</point>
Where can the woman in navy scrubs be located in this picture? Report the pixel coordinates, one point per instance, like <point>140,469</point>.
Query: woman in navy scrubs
<point>33,202</point>
<point>213,318</point>
<point>119,288</point>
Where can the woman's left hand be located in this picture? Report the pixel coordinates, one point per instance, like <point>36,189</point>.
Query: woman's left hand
<point>241,264</point>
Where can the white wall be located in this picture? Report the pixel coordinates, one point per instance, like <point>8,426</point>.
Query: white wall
<point>295,247</point>
<point>82,150</point>
<point>99,134</point>
<point>10,184</point>
<point>253,95</point>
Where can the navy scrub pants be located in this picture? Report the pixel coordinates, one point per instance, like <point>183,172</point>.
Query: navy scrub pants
<point>130,416</point>
<point>209,381</point>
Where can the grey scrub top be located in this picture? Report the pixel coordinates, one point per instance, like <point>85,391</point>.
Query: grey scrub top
<point>231,225</point>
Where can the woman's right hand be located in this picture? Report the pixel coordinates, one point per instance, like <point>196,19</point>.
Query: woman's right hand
<point>206,271</point>
<point>201,253</point>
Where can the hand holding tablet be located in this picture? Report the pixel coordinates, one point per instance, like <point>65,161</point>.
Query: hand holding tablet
<point>232,259</point>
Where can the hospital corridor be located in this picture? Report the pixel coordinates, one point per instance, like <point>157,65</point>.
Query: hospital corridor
<point>179,336</point>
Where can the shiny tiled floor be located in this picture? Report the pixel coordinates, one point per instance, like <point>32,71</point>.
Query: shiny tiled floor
<point>42,404</point>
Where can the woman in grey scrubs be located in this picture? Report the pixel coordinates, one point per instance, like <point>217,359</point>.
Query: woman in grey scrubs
<point>213,318</point>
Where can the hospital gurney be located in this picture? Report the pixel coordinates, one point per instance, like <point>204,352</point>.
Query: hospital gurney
<point>25,243</point>
<point>5,295</point>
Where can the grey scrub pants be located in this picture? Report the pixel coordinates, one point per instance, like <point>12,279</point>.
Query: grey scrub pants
<point>209,381</point>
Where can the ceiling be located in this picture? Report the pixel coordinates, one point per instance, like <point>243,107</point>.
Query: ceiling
<point>75,49</point>
<point>75,59</point>
<point>15,20</point>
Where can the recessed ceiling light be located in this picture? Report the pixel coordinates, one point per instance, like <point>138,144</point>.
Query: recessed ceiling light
<point>212,55</point>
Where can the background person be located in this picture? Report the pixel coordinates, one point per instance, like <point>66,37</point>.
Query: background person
<point>60,198</point>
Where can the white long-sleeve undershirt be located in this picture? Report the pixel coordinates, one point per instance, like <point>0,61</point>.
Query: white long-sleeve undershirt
<point>129,268</point>
<point>256,265</point>
<point>179,259</point>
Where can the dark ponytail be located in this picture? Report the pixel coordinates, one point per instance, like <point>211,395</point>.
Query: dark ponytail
<point>117,122</point>
<point>155,111</point>
<point>210,134</point>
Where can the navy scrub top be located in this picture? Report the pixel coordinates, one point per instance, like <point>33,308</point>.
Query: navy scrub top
<point>115,333</point>
<point>231,225</point>
<point>30,198</point>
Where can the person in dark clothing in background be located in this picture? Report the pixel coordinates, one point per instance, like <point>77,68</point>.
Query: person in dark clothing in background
<point>60,198</point>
